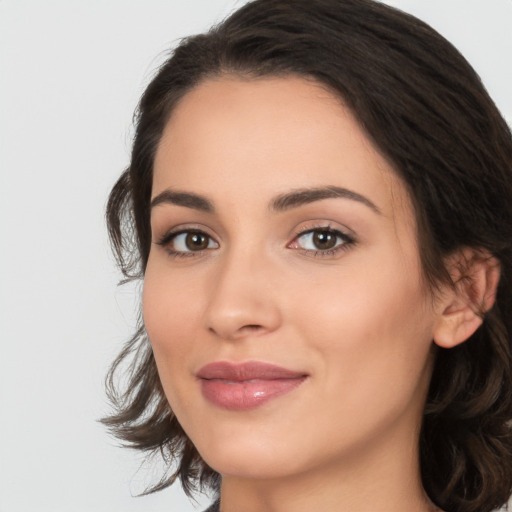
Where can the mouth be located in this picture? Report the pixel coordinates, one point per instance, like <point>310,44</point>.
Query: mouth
<point>247,385</point>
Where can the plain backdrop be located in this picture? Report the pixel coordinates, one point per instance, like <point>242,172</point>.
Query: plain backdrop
<point>71,73</point>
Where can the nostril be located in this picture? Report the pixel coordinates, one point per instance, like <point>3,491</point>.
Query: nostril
<point>237,333</point>
<point>250,328</point>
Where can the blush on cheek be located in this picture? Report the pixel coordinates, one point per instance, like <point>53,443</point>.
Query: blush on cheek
<point>170,318</point>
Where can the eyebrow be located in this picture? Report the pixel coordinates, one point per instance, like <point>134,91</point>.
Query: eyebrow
<point>300,197</point>
<point>281,203</point>
<point>186,199</point>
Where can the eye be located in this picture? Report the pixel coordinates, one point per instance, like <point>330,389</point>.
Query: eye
<point>184,243</point>
<point>321,241</point>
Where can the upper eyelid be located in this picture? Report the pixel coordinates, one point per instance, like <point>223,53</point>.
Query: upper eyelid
<point>338,232</point>
<point>184,228</point>
<point>320,228</point>
<point>326,225</point>
<point>306,227</point>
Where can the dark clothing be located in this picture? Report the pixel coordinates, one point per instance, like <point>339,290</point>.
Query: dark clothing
<point>214,507</point>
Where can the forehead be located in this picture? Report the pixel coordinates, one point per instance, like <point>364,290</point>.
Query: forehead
<point>265,136</point>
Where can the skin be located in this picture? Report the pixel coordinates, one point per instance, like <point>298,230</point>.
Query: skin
<point>358,321</point>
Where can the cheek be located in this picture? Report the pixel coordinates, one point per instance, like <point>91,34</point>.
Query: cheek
<point>171,318</point>
<point>370,328</point>
<point>172,322</point>
<point>367,295</point>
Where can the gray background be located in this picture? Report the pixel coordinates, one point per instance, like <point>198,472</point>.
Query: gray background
<point>71,74</point>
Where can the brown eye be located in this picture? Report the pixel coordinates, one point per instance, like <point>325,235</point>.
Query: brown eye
<point>324,240</point>
<point>196,241</point>
<point>187,242</point>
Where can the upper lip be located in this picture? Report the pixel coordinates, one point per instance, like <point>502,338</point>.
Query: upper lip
<point>251,370</point>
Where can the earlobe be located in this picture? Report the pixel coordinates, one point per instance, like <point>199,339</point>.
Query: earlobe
<point>475,275</point>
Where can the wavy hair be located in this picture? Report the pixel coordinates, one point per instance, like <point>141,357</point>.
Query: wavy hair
<point>427,112</point>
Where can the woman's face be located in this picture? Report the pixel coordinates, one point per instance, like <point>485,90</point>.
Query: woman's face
<point>282,238</point>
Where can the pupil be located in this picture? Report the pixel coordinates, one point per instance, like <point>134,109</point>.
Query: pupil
<point>196,242</point>
<point>324,240</point>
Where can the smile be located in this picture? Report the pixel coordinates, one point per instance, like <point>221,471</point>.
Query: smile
<point>247,385</point>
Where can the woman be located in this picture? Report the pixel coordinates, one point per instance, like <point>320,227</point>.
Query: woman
<point>318,202</point>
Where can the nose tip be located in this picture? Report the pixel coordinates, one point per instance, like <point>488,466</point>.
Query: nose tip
<point>240,319</point>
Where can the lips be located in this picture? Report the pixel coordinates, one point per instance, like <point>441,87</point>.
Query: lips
<point>247,385</point>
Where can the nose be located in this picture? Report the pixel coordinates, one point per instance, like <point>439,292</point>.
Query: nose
<point>243,299</point>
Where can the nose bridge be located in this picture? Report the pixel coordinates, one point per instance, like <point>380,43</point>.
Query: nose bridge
<point>241,299</point>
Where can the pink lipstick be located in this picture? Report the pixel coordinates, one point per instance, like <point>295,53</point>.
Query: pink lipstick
<point>246,385</point>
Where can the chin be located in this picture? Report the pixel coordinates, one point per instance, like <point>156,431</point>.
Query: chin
<point>249,455</point>
<point>251,464</point>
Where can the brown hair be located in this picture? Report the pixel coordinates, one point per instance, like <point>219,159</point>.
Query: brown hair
<point>427,111</point>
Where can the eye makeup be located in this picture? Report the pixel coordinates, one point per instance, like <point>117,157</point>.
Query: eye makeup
<point>321,240</point>
<point>187,242</point>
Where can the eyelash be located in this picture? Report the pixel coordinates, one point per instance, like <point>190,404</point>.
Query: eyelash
<point>169,237</point>
<point>346,242</point>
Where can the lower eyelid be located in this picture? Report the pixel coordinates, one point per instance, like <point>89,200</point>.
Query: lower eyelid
<point>345,241</point>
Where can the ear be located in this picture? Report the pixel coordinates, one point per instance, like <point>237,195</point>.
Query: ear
<point>475,276</point>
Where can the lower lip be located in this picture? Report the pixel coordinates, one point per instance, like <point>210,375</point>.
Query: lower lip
<point>246,394</point>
